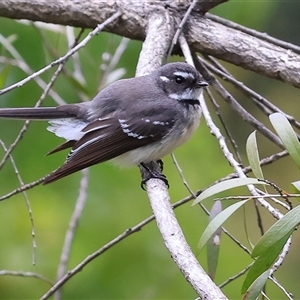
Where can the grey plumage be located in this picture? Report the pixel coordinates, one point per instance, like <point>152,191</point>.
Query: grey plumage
<point>131,121</point>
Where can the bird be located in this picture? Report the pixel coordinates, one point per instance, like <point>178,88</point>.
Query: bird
<point>132,121</point>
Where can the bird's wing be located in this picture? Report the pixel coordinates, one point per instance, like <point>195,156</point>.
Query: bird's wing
<point>110,137</point>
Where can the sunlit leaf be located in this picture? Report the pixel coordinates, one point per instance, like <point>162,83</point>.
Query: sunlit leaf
<point>218,221</point>
<point>257,286</point>
<point>277,231</point>
<point>226,185</point>
<point>287,135</point>
<point>295,188</point>
<point>253,155</point>
<point>296,185</point>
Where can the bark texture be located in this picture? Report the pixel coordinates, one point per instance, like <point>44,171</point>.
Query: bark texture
<point>202,34</point>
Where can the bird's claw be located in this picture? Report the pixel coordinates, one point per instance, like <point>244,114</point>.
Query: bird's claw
<point>152,174</point>
<point>156,176</point>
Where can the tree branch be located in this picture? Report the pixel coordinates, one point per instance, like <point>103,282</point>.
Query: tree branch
<point>161,30</point>
<point>204,35</point>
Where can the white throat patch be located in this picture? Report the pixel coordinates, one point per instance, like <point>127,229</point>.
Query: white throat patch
<point>188,94</point>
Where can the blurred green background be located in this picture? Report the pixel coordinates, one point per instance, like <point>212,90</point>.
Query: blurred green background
<point>139,267</point>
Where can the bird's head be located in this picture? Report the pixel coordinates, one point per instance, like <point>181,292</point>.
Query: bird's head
<point>181,82</point>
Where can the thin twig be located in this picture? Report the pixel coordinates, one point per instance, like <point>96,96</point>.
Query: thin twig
<point>234,277</point>
<point>25,274</point>
<point>280,202</point>
<point>83,43</point>
<point>259,219</point>
<point>242,111</point>
<point>80,203</point>
<point>33,232</point>
<point>261,101</point>
<point>21,63</point>
<point>182,176</point>
<point>94,255</point>
<point>180,27</point>
<point>282,256</point>
<point>257,34</point>
<point>287,293</point>
<point>38,103</point>
<point>27,122</point>
<point>227,132</point>
<point>261,194</point>
<point>23,188</point>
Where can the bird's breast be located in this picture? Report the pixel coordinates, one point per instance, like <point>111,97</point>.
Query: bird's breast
<point>178,135</point>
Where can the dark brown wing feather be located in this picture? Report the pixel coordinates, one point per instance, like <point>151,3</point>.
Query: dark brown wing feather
<point>105,139</point>
<point>63,146</point>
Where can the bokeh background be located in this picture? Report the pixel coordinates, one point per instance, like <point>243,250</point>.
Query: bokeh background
<point>139,267</point>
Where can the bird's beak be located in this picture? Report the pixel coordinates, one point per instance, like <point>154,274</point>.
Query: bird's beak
<point>201,84</point>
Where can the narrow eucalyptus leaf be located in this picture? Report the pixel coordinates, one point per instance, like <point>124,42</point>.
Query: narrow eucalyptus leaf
<point>257,286</point>
<point>277,231</point>
<point>264,261</point>
<point>253,155</point>
<point>287,135</point>
<point>218,221</point>
<point>224,186</point>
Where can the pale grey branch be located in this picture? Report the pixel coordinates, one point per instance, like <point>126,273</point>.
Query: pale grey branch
<point>204,35</point>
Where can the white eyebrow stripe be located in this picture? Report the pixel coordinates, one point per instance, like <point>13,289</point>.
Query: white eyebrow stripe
<point>184,74</point>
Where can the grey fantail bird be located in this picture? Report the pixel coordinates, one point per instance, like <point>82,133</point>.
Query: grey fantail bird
<point>132,121</point>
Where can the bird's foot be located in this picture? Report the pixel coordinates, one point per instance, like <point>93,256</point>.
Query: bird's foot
<point>153,174</point>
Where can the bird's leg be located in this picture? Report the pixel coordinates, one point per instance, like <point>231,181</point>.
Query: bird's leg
<point>150,173</point>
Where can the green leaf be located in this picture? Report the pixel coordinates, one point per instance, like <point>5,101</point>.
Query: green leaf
<point>213,244</point>
<point>264,261</point>
<point>296,186</point>
<point>218,221</point>
<point>287,135</point>
<point>224,186</point>
<point>277,231</point>
<point>257,286</point>
<point>253,156</point>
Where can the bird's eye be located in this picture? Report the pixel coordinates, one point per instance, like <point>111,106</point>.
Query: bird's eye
<point>179,79</point>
